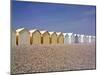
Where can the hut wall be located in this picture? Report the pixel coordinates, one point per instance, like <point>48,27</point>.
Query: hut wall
<point>46,38</point>
<point>79,39</point>
<point>72,38</point>
<point>66,39</point>
<point>92,39</point>
<point>82,39</point>
<point>86,39</point>
<point>53,39</point>
<point>36,38</point>
<point>24,38</point>
<point>60,39</point>
<point>76,39</point>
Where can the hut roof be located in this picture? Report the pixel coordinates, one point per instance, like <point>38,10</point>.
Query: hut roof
<point>19,30</point>
<point>69,33</point>
<point>77,35</point>
<point>42,32</point>
<point>52,32</point>
<point>58,33</point>
<point>32,31</point>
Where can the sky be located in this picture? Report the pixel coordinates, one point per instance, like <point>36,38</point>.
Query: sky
<point>79,19</point>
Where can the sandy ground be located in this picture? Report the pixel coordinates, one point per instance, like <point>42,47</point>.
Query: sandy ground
<point>47,58</point>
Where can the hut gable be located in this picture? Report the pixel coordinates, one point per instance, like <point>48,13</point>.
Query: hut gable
<point>35,36</point>
<point>53,37</point>
<point>45,37</point>
<point>60,38</point>
<point>22,36</point>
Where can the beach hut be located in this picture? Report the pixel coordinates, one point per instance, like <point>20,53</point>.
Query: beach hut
<point>90,39</point>
<point>53,37</point>
<point>93,39</point>
<point>86,39</point>
<point>66,38</point>
<point>13,38</point>
<point>72,36</point>
<point>45,37</point>
<point>81,38</point>
<point>22,37</point>
<point>60,38</point>
<point>35,36</point>
<point>76,38</point>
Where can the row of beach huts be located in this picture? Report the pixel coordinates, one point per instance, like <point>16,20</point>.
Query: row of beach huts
<point>30,37</point>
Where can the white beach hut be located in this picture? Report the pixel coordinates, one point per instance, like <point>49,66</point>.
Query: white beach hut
<point>22,37</point>
<point>76,38</point>
<point>93,39</point>
<point>79,38</point>
<point>82,38</point>
<point>66,38</point>
<point>86,39</point>
<point>72,38</point>
<point>90,39</point>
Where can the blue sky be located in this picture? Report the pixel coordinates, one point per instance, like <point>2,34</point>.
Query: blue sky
<point>54,17</point>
